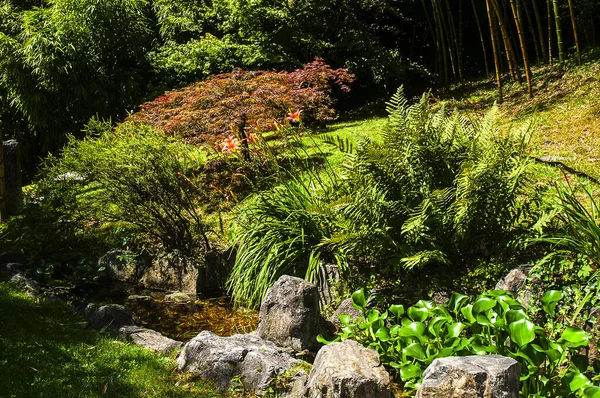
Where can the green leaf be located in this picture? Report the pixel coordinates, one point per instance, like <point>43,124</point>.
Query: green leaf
<point>397,310</point>
<point>415,350</point>
<point>454,330</point>
<point>522,332</point>
<point>467,312</point>
<point>418,314</point>
<point>323,340</point>
<point>550,299</point>
<point>483,304</point>
<point>591,392</point>
<point>359,300</point>
<point>576,336</point>
<point>410,371</point>
<point>414,329</point>
<point>579,381</point>
<point>344,319</point>
<point>383,334</point>
<point>457,301</point>
<point>514,315</point>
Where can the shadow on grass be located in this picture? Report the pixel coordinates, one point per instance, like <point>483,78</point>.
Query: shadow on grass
<point>48,352</point>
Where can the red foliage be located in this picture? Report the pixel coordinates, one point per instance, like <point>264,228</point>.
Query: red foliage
<point>208,111</point>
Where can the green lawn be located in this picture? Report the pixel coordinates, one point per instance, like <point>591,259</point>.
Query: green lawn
<point>47,352</point>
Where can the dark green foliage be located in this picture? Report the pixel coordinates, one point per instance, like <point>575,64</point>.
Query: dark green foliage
<point>408,340</point>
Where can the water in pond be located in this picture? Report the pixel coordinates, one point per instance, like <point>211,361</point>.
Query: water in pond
<point>183,321</point>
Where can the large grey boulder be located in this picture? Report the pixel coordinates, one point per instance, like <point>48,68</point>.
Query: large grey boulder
<point>247,357</point>
<point>348,369</point>
<point>486,376</point>
<point>172,272</point>
<point>289,315</point>
<point>149,338</point>
<point>345,308</point>
<point>112,316</point>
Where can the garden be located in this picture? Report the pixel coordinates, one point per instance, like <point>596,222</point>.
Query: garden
<point>210,148</point>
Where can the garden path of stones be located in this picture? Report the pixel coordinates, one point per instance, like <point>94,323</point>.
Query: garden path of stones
<point>289,322</point>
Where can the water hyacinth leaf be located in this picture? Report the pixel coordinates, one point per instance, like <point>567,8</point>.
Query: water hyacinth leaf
<point>410,371</point>
<point>467,312</point>
<point>454,330</point>
<point>576,336</point>
<point>579,381</point>
<point>397,310</point>
<point>414,350</point>
<point>514,315</point>
<point>550,299</point>
<point>418,314</point>
<point>496,293</point>
<point>457,301</point>
<point>414,329</point>
<point>483,320</point>
<point>580,362</point>
<point>591,392</point>
<point>552,353</point>
<point>323,340</point>
<point>483,304</point>
<point>359,299</point>
<point>383,334</point>
<point>436,324</point>
<point>344,319</point>
<point>522,332</point>
<point>373,316</point>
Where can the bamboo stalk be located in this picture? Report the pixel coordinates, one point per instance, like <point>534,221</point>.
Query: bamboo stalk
<point>536,43</point>
<point>559,36</point>
<point>538,20</point>
<point>550,60</point>
<point>523,48</point>
<point>495,50</point>
<point>510,54</point>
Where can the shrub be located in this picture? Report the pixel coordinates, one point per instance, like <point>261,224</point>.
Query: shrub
<point>132,176</point>
<point>245,101</point>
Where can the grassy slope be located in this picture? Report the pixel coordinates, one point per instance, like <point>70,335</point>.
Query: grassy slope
<point>48,352</point>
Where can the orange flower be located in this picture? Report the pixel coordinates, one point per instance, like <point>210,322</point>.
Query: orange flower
<point>230,145</point>
<point>294,117</point>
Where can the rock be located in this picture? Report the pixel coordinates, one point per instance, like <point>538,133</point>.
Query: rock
<point>136,301</point>
<point>72,176</point>
<point>345,308</point>
<point>289,315</point>
<point>212,277</point>
<point>515,282</point>
<point>29,285</point>
<point>348,369</point>
<point>122,266</point>
<point>179,297</point>
<point>112,316</point>
<point>247,357</point>
<point>486,376</point>
<point>172,272</point>
<point>149,338</point>
<point>14,268</point>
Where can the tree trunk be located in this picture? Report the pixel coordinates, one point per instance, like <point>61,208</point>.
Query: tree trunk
<point>538,20</point>
<point>523,49</point>
<point>485,57</point>
<point>440,30</point>
<point>559,36</point>
<point>495,50</point>
<point>572,12</point>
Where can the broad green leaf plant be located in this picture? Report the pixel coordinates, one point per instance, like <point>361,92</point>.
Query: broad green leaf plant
<point>409,339</point>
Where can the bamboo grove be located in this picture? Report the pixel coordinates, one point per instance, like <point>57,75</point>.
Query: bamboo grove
<point>513,35</point>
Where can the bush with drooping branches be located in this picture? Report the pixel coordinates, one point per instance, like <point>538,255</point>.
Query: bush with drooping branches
<point>247,101</point>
